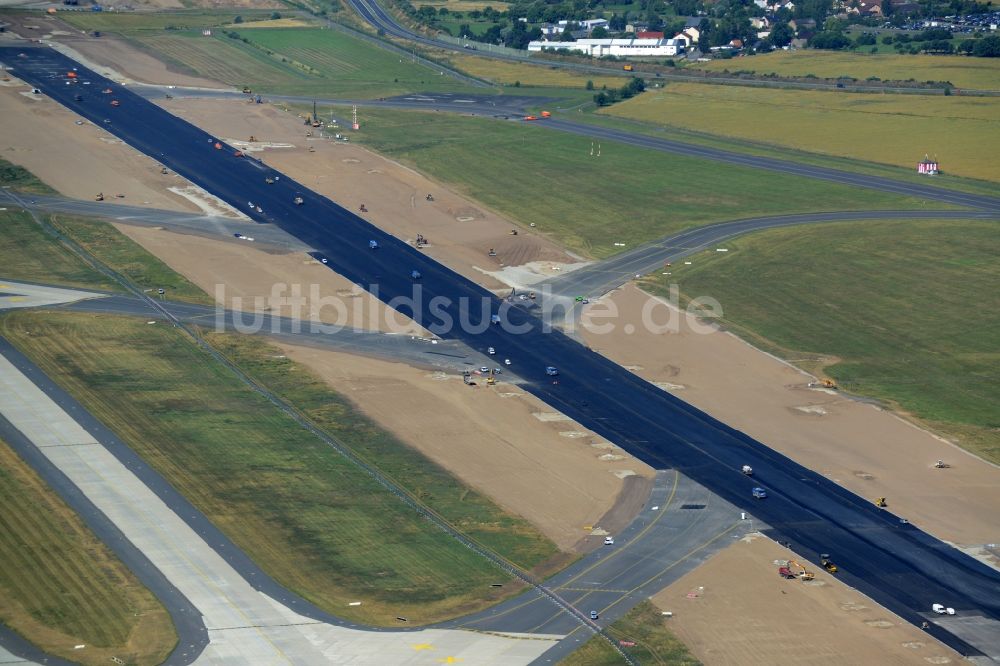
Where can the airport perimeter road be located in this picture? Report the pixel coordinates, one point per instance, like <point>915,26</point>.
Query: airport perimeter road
<point>896,564</point>
<point>443,354</point>
<point>601,277</point>
<point>207,226</point>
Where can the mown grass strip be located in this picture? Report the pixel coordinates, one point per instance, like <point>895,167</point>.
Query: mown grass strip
<point>128,258</point>
<point>60,586</point>
<point>548,178</point>
<point>643,635</point>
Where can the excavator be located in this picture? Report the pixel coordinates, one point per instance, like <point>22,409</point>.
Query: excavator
<point>803,574</point>
<point>880,502</point>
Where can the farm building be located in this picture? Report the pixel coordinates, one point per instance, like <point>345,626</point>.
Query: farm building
<point>927,167</point>
<point>627,48</point>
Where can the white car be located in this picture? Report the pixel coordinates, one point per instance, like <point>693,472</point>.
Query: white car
<point>609,541</point>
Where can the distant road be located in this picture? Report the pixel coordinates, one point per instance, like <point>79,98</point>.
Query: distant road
<point>373,13</point>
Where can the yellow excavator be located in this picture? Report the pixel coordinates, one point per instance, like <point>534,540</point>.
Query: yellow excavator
<point>880,502</point>
<point>803,573</point>
<point>827,563</point>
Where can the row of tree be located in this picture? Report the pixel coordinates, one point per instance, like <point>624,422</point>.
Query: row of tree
<point>634,86</point>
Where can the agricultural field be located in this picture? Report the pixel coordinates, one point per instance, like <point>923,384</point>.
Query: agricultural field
<point>643,194</point>
<point>906,312</point>
<point>644,627</point>
<point>887,129</point>
<point>506,73</point>
<point>296,61</point>
<point>309,517</point>
<point>60,586</point>
<point>961,71</point>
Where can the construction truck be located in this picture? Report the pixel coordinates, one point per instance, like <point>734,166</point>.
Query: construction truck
<point>785,572</point>
<point>246,90</point>
<point>747,469</point>
<point>827,563</point>
<point>99,197</point>
<point>880,502</point>
<point>298,201</point>
<point>628,68</point>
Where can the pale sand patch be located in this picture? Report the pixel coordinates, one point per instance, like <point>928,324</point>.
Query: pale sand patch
<point>81,160</point>
<point>254,280</point>
<point>559,484</point>
<point>394,195</point>
<point>741,612</point>
<point>833,435</point>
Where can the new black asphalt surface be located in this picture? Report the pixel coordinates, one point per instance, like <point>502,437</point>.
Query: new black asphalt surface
<point>896,564</point>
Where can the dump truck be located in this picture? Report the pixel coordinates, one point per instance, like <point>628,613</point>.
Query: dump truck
<point>747,469</point>
<point>785,572</point>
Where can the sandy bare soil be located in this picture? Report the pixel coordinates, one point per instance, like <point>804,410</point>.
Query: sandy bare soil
<point>244,277</point>
<point>131,63</point>
<point>870,451</point>
<point>79,160</point>
<point>500,440</point>
<point>735,609</point>
<point>461,232</point>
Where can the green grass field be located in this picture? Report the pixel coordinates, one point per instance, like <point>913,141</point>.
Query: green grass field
<point>20,179</point>
<point>60,586</point>
<point>29,253</point>
<point>910,309</point>
<point>963,72</point>
<point>303,512</point>
<point>644,626</point>
<point>585,202</point>
<point>128,258</point>
<point>297,61</point>
<point>889,129</point>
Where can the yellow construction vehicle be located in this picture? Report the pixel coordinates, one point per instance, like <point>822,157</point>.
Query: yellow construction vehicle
<point>802,573</point>
<point>827,563</point>
<point>880,502</point>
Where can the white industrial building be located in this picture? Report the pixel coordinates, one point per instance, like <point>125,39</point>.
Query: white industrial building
<point>624,48</point>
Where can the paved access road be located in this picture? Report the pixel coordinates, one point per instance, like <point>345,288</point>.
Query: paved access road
<point>601,277</point>
<point>896,564</point>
